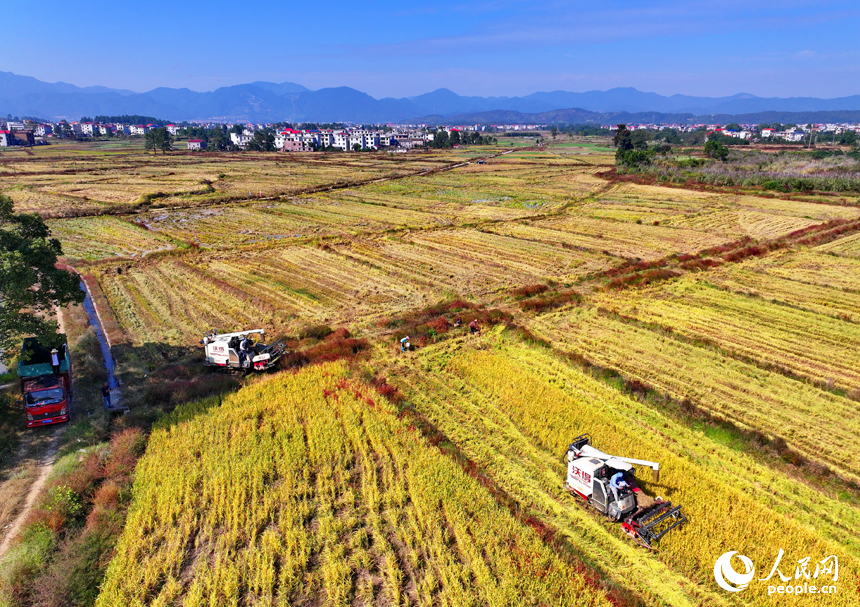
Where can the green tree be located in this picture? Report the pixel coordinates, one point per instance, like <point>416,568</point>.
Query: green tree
<point>634,158</point>
<point>716,150</point>
<point>734,126</point>
<point>640,138</point>
<point>356,147</point>
<point>848,137</point>
<point>554,132</point>
<point>262,141</point>
<point>158,139</point>
<point>623,139</point>
<point>454,137</point>
<point>440,140</point>
<point>219,140</point>
<point>30,283</point>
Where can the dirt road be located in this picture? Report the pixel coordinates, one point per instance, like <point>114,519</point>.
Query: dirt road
<point>25,478</point>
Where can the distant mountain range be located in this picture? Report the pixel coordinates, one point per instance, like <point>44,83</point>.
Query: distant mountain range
<point>271,102</point>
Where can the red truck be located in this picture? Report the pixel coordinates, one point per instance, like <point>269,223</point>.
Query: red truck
<point>47,394</point>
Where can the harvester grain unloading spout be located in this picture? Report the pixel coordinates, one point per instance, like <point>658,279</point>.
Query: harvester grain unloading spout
<point>608,482</point>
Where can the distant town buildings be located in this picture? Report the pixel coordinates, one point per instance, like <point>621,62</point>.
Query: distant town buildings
<point>390,137</point>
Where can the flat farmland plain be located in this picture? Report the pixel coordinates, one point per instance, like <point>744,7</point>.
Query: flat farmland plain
<point>743,368</point>
<point>69,182</point>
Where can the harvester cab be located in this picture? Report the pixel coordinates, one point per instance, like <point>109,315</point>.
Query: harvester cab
<point>608,483</point>
<point>224,350</point>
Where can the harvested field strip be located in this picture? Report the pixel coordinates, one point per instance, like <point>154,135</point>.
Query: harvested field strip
<point>739,222</point>
<point>190,181</point>
<point>521,260</point>
<point>811,345</point>
<point>166,303</point>
<point>818,424</point>
<point>747,280</point>
<point>815,268</point>
<point>514,409</point>
<point>99,237</point>
<point>848,246</point>
<point>613,238</point>
<point>339,503</point>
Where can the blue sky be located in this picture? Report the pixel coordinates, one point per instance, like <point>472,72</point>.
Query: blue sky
<point>506,47</point>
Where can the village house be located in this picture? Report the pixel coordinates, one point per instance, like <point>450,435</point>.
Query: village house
<point>242,140</point>
<point>196,144</point>
<point>25,137</point>
<point>7,139</point>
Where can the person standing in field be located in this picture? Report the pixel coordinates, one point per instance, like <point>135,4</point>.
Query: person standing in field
<point>106,396</point>
<point>55,362</point>
<point>473,326</point>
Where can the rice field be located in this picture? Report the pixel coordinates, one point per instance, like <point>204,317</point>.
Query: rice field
<point>307,489</point>
<point>817,423</point>
<point>810,345</point>
<point>69,183</point>
<point>514,409</point>
<point>350,504</point>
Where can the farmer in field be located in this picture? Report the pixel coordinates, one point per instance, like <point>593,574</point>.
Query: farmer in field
<point>473,326</point>
<point>405,345</point>
<point>458,322</point>
<point>106,396</point>
<point>55,362</point>
<point>616,483</point>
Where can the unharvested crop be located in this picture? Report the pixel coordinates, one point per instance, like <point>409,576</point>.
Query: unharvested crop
<point>307,488</point>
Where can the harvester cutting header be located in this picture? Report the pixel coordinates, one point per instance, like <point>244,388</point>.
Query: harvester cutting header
<point>608,483</point>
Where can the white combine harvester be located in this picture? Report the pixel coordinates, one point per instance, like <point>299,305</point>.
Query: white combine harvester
<point>589,473</point>
<point>223,351</point>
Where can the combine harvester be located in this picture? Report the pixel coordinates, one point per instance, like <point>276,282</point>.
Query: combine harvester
<point>643,518</point>
<point>223,351</point>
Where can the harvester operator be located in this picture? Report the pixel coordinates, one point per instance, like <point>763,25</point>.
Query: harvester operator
<point>245,350</point>
<point>616,483</point>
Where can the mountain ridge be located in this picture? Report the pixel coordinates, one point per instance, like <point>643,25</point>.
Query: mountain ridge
<point>288,101</point>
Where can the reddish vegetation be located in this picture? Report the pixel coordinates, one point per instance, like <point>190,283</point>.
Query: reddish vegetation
<point>426,325</point>
<point>549,302</point>
<point>642,278</point>
<point>529,291</point>
<point>336,345</point>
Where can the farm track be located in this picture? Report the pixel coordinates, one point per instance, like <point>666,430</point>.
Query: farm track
<point>39,457</point>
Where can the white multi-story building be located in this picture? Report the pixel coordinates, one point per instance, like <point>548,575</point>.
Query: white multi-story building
<point>172,129</point>
<point>242,140</point>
